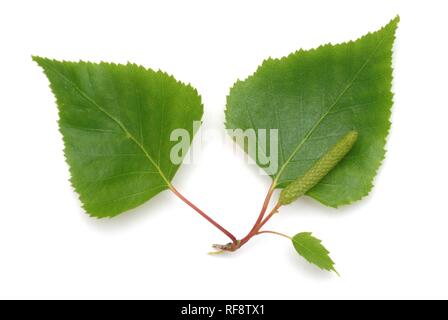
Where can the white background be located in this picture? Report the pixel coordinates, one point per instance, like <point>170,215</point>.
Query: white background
<point>392,244</point>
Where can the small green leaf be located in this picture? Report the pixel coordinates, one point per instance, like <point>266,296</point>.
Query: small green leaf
<point>319,170</point>
<point>313,251</point>
<point>313,97</point>
<point>116,122</point>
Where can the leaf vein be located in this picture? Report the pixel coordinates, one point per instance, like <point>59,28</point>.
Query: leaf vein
<point>336,101</point>
<point>110,116</point>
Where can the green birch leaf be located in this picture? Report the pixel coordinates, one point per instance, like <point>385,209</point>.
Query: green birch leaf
<point>116,122</point>
<point>313,251</point>
<point>315,97</point>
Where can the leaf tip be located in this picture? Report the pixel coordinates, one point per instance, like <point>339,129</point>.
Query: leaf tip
<point>37,59</point>
<point>393,24</point>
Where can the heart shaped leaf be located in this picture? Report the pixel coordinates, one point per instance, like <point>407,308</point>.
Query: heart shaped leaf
<point>116,122</point>
<point>315,97</point>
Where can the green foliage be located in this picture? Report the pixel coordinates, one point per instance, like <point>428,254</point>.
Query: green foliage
<point>319,170</point>
<point>313,251</point>
<point>116,122</point>
<point>313,98</point>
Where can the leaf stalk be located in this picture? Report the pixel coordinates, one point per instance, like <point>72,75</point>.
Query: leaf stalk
<point>206,216</point>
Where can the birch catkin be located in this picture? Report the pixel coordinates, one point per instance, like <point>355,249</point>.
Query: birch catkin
<point>319,170</point>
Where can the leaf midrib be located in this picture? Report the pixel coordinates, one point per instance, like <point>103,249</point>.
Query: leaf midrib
<point>118,122</point>
<point>322,118</point>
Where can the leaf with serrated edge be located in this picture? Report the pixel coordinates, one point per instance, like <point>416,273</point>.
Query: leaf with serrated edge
<point>313,98</point>
<point>313,251</point>
<point>116,122</point>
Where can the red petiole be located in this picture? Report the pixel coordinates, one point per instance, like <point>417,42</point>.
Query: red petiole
<point>235,244</point>
<point>203,214</point>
